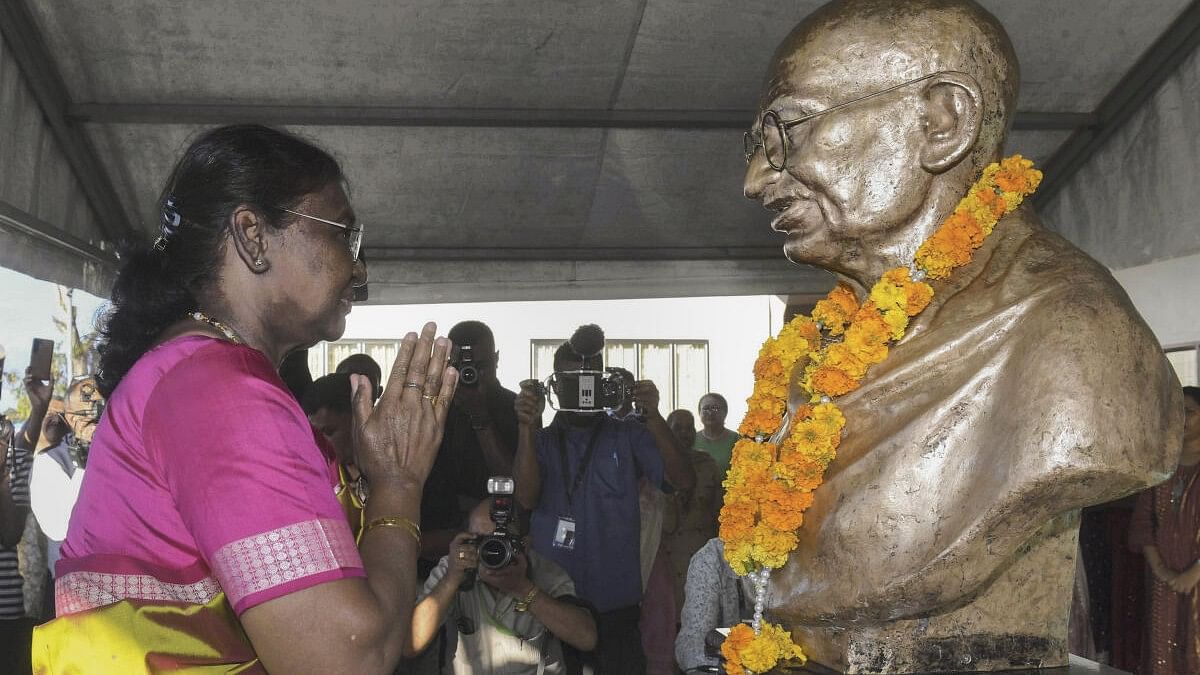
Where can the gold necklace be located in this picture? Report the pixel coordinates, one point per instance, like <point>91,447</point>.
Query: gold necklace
<point>229,333</point>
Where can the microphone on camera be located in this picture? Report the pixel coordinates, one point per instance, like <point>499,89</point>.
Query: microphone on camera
<point>587,341</point>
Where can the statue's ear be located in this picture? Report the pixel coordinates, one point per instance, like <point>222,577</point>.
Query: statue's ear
<point>953,116</point>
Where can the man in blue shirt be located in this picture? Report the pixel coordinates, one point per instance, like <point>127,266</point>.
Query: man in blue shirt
<point>580,477</point>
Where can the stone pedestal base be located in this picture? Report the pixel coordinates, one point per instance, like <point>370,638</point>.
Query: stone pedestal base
<point>1018,622</point>
<point>1076,666</point>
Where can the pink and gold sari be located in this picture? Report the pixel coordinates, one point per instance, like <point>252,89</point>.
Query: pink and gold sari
<point>207,493</point>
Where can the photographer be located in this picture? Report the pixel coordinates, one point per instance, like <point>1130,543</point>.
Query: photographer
<point>58,469</point>
<point>16,450</point>
<point>511,619</point>
<point>480,439</point>
<point>580,478</point>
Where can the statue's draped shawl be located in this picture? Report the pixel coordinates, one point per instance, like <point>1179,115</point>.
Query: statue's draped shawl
<point>1030,387</point>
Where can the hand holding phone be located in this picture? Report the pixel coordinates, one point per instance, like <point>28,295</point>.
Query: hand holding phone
<point>40,359</point>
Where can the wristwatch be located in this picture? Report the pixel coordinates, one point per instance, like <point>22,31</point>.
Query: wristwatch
<point>523,604</point>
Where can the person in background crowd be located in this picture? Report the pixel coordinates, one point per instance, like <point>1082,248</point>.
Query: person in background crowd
<point>480,441</point>
<point>580,479</point>
<point>327,403</point>
<point>714,438</point>
<point>507,620</point>
<point>295,373</point>
<point>207,536</point>
<point>1166,529</point>
<point>58,469</point>
<point>715,598</point>
<point>16,453</point>
<point>691,515</point>
<point>363,365</point>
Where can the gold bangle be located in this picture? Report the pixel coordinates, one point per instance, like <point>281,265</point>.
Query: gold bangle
<point>523,604</point>
<point>395,521</point>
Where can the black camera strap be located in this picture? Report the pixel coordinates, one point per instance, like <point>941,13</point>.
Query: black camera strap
<point>572,486</point>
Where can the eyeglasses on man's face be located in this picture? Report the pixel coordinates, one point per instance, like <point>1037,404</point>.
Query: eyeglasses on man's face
<point>771,133</point>
<point>354,233</point>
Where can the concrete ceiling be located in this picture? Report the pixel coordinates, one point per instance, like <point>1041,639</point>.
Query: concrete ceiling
<point>542,177</point>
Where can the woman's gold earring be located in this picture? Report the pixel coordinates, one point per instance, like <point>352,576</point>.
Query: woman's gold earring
<point>258,262</point>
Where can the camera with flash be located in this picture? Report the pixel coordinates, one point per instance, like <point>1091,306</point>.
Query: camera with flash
<point>500,548</point>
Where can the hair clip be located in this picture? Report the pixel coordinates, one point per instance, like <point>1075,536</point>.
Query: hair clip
<point>169,221</point>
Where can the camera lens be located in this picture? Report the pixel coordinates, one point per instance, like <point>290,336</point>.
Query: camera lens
<point>494,553</point>
<point>468,376</point>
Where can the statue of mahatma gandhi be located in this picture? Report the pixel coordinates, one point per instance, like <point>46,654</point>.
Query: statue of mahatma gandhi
<point>944,536</point>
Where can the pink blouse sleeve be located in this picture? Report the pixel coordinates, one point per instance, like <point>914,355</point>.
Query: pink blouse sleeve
<point>249,481</point>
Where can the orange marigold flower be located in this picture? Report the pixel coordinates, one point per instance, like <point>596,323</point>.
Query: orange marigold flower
<point>802,472</point>
<point>740,637</point>
<point>836,309</point>
<point>737,520</point>
<point>768,367</point>
<point>919,295</point>
<point>832,381</point>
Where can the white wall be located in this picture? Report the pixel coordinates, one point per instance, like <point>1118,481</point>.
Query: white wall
<point>734,327</point>
<point>1167,294</point>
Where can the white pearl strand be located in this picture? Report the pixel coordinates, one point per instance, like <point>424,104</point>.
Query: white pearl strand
<point>759,579</point>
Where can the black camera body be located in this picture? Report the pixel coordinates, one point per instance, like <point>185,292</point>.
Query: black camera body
<point>464,362</point>
<point>589,391</point>
<point>500,548</point>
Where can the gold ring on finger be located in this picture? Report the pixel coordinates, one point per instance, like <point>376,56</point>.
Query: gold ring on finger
<point>462,555</point>
<point>432,399</point>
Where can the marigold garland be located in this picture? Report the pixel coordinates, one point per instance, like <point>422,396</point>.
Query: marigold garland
<point>770,483</point>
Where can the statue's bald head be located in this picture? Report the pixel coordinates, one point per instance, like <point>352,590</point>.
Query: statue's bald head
<point>869,45</point>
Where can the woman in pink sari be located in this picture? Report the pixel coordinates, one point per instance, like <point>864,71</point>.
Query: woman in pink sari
<point>207,537</point>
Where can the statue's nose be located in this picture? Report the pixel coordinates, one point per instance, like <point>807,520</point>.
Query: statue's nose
<point>759,175</point>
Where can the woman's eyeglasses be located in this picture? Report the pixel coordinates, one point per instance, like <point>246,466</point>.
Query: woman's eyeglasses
<point>354,232</point>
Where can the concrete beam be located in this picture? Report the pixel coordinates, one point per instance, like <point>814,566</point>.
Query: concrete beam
<point>33,58</point>
<point>1163,57</point>
<point>12,218</point>
<point>525,254</point>
<point>309,115</point>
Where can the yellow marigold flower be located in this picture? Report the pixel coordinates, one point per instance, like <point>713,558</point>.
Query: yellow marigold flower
<point>771,546</point>
<point>888,295</point>
<point>868,345</point>
<point>843,358</point>
<point>739,555</point>
<point>897,321</point>
<point>829,419</point>
<point>809,437</point>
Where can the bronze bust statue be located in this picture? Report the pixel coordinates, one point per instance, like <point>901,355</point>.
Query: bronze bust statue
<point>944,536</point>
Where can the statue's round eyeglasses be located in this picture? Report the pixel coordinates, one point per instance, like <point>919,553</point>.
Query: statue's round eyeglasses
<point>771,133</point>
<point>354,233</point>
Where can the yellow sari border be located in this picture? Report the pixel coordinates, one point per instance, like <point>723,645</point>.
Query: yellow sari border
<point>139,636</point>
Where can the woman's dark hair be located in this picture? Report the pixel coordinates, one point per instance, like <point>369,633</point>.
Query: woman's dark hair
<point>221,170</point>
<point>1192,393</point>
